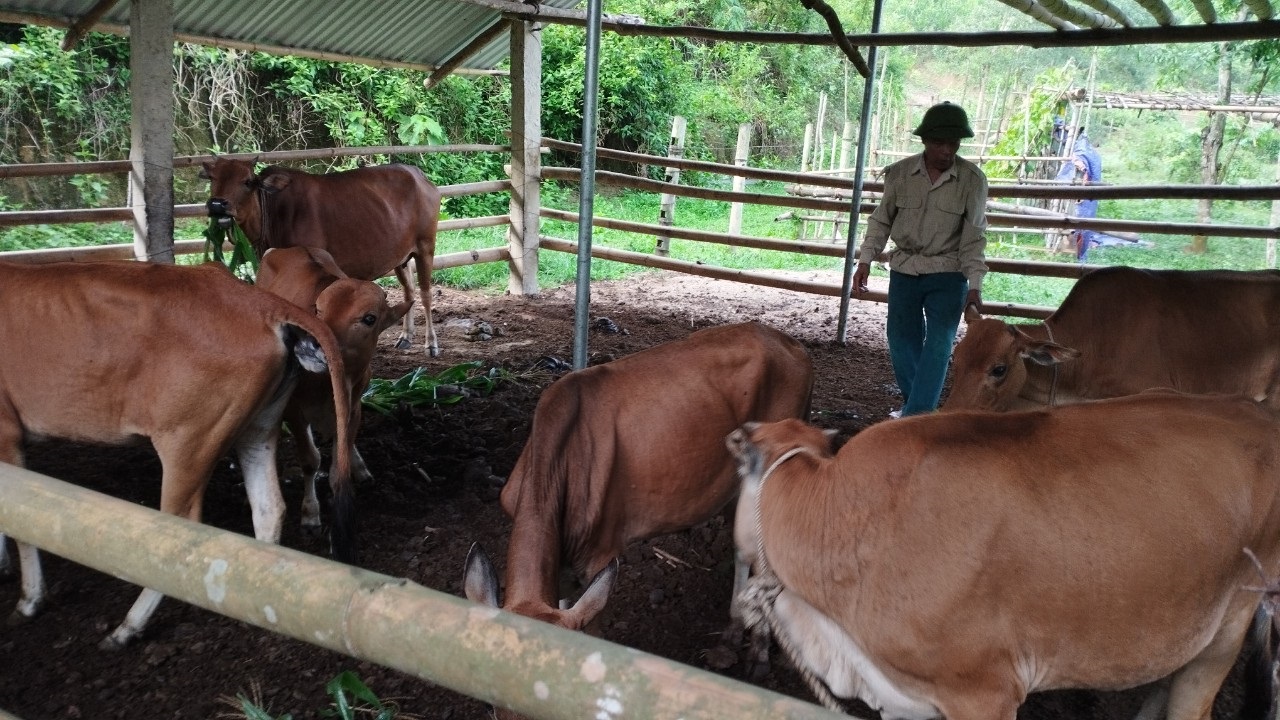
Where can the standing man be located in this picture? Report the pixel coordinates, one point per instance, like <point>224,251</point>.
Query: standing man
<point>934,209</point>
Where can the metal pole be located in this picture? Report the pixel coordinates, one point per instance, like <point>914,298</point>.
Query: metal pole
<point>586,202</point>
<point>537,669</point>
<point>851,247</point>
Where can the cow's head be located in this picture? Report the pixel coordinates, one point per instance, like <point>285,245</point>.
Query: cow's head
<point>357,311</point>
<point>760,449</point>
<point>233,193</point>
<point>989,365</point>
<point>480,584</point>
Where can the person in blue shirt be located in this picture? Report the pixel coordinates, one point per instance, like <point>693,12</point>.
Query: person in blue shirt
<point>1085,168</point>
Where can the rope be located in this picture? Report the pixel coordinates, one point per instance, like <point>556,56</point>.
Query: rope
<point>764,565</point>
<point>1053,382</point>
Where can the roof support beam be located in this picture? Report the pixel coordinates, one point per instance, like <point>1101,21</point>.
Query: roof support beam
<point>479,43</point>
<point>82,26</point>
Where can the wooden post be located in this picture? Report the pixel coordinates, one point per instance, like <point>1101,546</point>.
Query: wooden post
<point>739,182</point>
<point>667,213</point>
<point>151,141</point>
<point>806,152</point>
<point>846,144</point>
<point>818,131</point>
<point>526,156</point>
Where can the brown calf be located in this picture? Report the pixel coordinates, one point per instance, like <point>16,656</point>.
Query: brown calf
<point>190,358</point>
<point>357,312</point>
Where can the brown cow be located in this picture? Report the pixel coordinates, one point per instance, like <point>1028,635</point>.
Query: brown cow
<point>357,312</point>
<point>632,449</point>
<point>951,564</point>
<point>372,220</point>
<point>190,358</point>
<point>1126,330</point>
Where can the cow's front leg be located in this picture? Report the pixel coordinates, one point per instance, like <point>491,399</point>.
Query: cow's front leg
<point>135,622</point>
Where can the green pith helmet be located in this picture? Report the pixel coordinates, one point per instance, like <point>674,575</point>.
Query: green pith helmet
<point>944,121</point>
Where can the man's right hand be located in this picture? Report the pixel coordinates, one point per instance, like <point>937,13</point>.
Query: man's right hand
<point>860,278</point>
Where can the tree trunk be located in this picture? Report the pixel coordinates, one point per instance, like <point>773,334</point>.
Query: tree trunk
<point>1211,139</point>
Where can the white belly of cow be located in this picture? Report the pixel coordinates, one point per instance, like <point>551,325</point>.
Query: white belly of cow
<point>825,650</point>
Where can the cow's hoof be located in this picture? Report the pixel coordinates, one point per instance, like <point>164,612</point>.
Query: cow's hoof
<point>313,531</point>
<point>402,344</point>
<point>17,618</point>
<point>111,643</point>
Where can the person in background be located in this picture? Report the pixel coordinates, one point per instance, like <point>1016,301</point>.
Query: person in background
<point>934,210</point>
<point>1084,168</point>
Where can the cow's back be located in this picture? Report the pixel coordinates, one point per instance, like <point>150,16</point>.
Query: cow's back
<point>103,351</point>
<point>1195,331</point>
<point>635,447</point>
<point>994,535</point>
<point>369,219</point>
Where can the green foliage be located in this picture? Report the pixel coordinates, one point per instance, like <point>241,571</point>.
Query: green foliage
<point>351,699</point>
<point>243,262</point>
<point>421,388</point>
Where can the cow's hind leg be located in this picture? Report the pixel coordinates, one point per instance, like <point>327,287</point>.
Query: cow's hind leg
<point>182,486</point>
<point>33,598</point>
<point>304,445</point>
<point>404,274</point>
<point>257,451</point>
<point>424,261</point>
<point>6,559</point>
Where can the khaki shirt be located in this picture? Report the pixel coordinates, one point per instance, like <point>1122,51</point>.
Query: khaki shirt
<point>936,227</point>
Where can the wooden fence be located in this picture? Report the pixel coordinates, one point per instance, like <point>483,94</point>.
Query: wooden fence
<point>835,189</point>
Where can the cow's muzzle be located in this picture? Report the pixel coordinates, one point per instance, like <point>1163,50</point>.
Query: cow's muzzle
<point>217,208</point>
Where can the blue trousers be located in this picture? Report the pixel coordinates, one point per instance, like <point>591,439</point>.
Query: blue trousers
<point>924,312</point>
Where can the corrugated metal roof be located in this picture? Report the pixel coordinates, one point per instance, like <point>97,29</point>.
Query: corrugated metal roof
<point>414,33</point>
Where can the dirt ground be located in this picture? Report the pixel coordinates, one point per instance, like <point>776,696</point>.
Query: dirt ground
<point>437,474</point>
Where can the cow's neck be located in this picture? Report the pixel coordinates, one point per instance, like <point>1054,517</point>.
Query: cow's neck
<point>533,556</point>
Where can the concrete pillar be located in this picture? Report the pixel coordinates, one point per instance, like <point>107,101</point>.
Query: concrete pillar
<point>151,146</point>
<point>526,158</point>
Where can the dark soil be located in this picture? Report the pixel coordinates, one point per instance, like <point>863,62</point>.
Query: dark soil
<point>438,471</point>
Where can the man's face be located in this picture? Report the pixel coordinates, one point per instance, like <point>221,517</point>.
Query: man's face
<point>940,154</point>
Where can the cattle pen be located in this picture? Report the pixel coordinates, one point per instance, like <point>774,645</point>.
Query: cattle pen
<point>368,587</point>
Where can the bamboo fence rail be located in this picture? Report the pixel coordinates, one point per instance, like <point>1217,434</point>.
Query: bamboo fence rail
<point>506,659</point>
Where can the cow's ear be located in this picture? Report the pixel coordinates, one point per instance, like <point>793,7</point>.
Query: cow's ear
<point>275,182</point>
<point>831,434</point>
<point>480,581</point>
<point>206,170</point>
<point>593,598</point>
<point>1047,353</point>
<point>972,313</point>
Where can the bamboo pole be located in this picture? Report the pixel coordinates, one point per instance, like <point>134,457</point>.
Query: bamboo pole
<point>532,667</point>
<point>806,286</point>
<point>998,219</point>
<point>100,215</point>
<point>112,166</point>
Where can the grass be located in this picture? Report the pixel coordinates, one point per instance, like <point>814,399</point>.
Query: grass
<point>558,268</point>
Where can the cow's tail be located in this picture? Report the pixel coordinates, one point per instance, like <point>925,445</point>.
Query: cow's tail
<point>1259,678</point>
<point>342,533</point>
